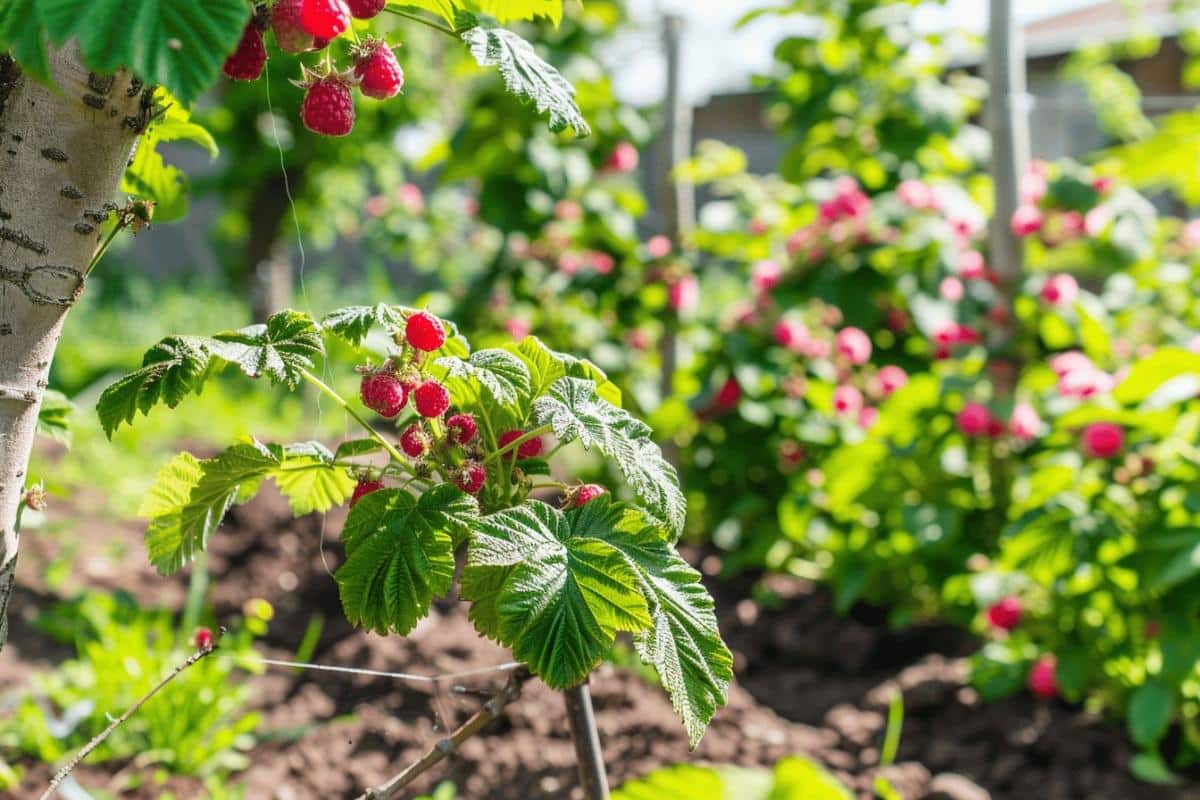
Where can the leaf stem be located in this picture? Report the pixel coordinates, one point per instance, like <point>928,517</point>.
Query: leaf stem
<point>418,18</point>
<point>118,226</point>
<point>515,443</point>
<point>332,394</point>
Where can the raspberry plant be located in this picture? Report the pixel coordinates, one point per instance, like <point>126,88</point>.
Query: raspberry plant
<point>553,583</point>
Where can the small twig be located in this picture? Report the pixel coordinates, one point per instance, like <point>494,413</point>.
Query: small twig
<point>418,18</point>
<point>444,747</point>
<point>99,738</point>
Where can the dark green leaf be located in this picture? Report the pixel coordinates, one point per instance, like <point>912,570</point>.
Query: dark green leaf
<point>1150,709</point>
<point>282,349</point>
<point>170,370</point>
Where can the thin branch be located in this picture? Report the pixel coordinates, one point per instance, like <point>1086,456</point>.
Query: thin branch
<point>418,18</point>
<point>99,738</point>
<point>444,747</point>
<point>332,394</point>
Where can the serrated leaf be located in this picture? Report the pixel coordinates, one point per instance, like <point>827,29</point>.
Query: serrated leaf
<point>172,486</point>
<point>546,366</point>
<point>551,588</point>
<point>357,447</point>
<point>180,45</point>
<point>150,178</point>
<point>353,323</point>
<point>170,370</point>
<point>282,349</point>
<point>527,75</point>
<point>400,555</point>
<point>309,480</point>
<point>684,645</point>
<point>575,413</point>
<point>445,9</point>
<point>54,416</point>
<point>503,375</point>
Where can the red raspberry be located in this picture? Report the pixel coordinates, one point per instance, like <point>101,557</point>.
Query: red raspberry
<point>247,61</point>
<point>328,108</point>
<point>461,428</point>
<point>285,21</point>
<point>324,19</point>
<point>365,9</point>
<point>431,399</point>
<point>383,393</point>
<point>203,639</point>
<point>1043,677</point>
<point>364,487</point>
<point>471,477</point>
<point>1005,614</point>
<point>425,332</point>
<point>585,494</point>
<point>414,441</point>
<point>380,74</point>
<point>320,44</point>
<point>528,449</point>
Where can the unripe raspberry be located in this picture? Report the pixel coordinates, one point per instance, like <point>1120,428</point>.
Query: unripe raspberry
<point>854,345</point>
<point>247,61</point>
<point>414,441</point>
<point>364,487</point>
<point>380,75</point>
<point>1043,680</point>
<point>285,22</point>
<point>1005,614</point>
<point>328,108</point>
<point>365,9</point>
<point>383,393</point>
<point>425,332</point>
<point>582,495</point>
<point>324,19</point>
<point>471,477</point>
<point>431,399</point>
<point>531,448</point>
<point>461,428</point>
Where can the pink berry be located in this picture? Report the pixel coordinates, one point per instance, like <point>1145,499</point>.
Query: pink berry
<point>892,379</point>
<point>531,448</point>
<point>584,495</point>
<point>684,294</point>
<point>765,275</point>
<point>202,639</point>
<point>971,266</point>
<point>854,345</point>
<point>383,393</point>
<point>328,108</point>
<point>658,246</point>
<point>847,401</point>
<point>1005,614</point>
<point>461,428</point>
<point>728,395</point>
<point>1043,681</point>
<point>290,35</point>
<point>974,419</point>
<point>1027,219</point>
<point>379,72</point>
<point>414,441</point>
<point>425,332</point>
<point>1060,290</point>
<point>624,158</point>
<point>362,488</point>
<point>431,399</point>
<point>471,477</point>
<point>247,61</point>
<point>324,19</point>
<point>1025,422</point>
<point>1103,439</point>
<point>365,9</point>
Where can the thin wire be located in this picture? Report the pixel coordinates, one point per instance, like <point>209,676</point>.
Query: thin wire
<point>287,186</point>
<point>403,676</point>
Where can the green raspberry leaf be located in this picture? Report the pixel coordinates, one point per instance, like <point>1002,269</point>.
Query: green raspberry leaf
<point>527,75</point>
<point>353,323</point>
<point>549,586</point>
<point>400,555</point>
<point>576,413</point>
<point>180,45</point>
<point>503,375</point>
<point>24,39</point>
<point>310,481</point>
<point>54,417</point>
<point>282,349</point>
<point>170,370</point>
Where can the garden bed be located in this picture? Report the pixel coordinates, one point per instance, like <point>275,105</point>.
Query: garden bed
<point>809,682</point>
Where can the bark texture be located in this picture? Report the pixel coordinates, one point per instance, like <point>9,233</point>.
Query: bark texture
<point>63,150</point>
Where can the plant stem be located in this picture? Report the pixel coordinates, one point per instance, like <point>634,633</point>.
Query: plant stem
<point>332,394</point>
<point>418,18</point>
<point>582,719</point>
<point>515,443</point>
<point>103,248</point>
<point>444,747</point>
<point>99,738</point>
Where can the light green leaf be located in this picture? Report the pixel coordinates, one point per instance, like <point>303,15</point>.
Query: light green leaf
<point>150,178</point>
<point>575,412</point>
<point>551,588</point>
<point>509,10</point>
<point>1148,374</point>
<point>445,9</point>
<point>309,480</point>
<point>355,322</point>
<point>282,348</point>
<point>170,370</point>
<point>527,75</point>
<point>54,416</point>
<point>505,376</point>
<point>400,555</point>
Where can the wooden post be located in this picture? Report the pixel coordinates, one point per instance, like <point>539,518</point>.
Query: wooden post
<point>582,720</point>
<point>1008,121</point>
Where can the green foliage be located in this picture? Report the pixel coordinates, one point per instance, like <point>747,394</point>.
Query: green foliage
<point>792,779</point>
<point>1153,162</point>
<point>195,726</point>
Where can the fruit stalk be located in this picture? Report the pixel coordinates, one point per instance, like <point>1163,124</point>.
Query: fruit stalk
<point>582,719</point>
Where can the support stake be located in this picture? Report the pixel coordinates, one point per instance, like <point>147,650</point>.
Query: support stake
<point>582,719</point>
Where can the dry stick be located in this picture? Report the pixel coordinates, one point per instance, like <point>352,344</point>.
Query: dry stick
<point>62,774</point>
<point>444,747</point>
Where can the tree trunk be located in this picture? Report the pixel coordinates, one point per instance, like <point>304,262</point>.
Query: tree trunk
<point>62,153</point>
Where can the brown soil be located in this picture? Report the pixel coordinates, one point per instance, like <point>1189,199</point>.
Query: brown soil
<point>808,683</point>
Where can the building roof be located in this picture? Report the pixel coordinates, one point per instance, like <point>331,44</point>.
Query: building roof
<point>1107,21</point>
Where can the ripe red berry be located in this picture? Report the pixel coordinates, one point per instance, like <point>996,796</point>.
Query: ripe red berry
<point>1103,439</point>
<point>1005,614</point>
<point>425,332</point>
<point>365,9</point>
<point>585,494</point>
<point>528,449</point>
<point>431,399</point>
<point>364,487</point>
<point>414,441</point>
<point>471,477</point>
<point>247,61</point>
<point>328,108</point>
<point>461,428</point>
<point>285,22</point>
<point>203,639</point>
<point>380,74</point>
<point>383,393</point>
<point>324,19</point>
<point>1043,678</point>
